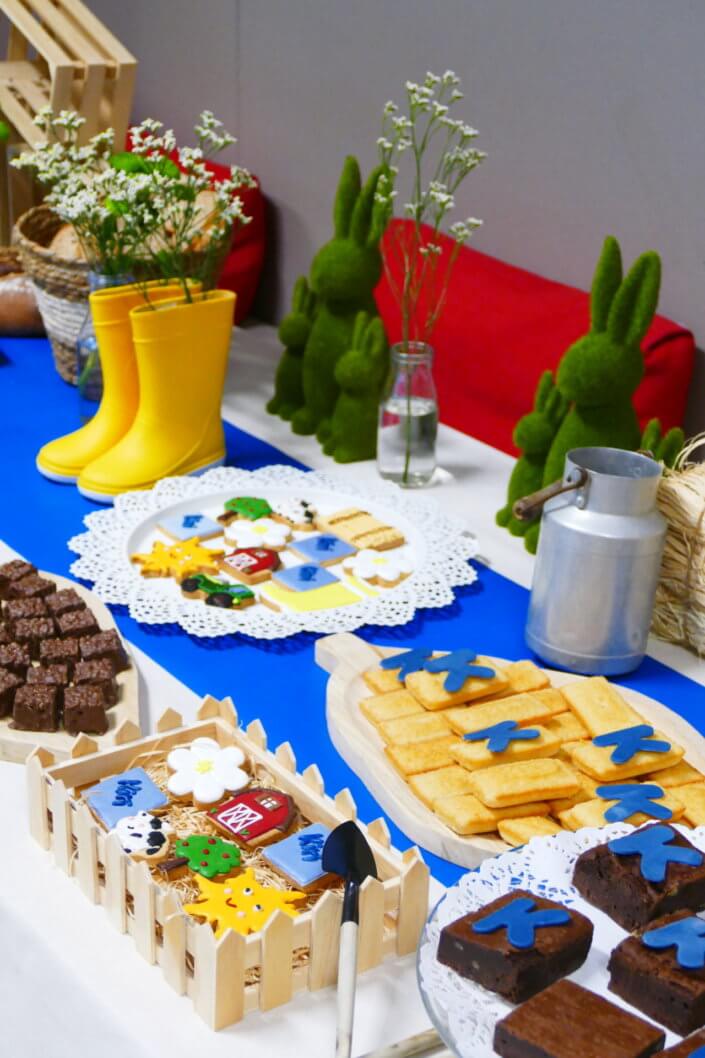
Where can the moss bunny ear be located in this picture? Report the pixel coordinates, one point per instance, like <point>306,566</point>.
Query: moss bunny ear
<point>359,328</point>
<point>362,214</point>
<point>543,390</point>
<point>635,302</point>
<point>375,341</point>
<point>346,196</point>
<point>300,295</point>
<point>605,283</point>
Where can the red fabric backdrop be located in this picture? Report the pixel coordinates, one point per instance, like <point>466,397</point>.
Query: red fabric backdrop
<point>502,326</point>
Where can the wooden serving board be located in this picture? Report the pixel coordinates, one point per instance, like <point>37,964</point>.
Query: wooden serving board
<point>123,717</point>
<point>345,657</point>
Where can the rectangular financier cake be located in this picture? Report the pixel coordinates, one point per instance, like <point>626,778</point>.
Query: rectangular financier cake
<point>568,1021</point>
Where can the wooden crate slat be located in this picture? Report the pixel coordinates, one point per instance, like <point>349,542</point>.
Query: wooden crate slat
<point>369,952</point>
<point>144,893</point>
<point>276,986</point>
<point>100,34</point>
<point>173,954</point>
<point>87,853</point>
<point>66,33</point>
<point>379,832</point>
<point>345,804</point>
<point>114,891</point>
<point>256,733</point>
<point>62,835</point>
<point>325,941</point>
<point>30,28</point>
<point>19,115</point>
<point>413,902</point>
<point>285,755</point>
<point>169,720</point>
<point>83,747</point>
<point>37,798</point>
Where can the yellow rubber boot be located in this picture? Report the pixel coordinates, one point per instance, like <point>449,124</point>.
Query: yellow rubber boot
<point>182,354</point>
<point>63,459</point>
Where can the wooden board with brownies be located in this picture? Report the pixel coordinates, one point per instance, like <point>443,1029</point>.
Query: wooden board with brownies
<point>64,670</point>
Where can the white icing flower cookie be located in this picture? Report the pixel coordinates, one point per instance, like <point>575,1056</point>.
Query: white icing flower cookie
<point>385,568</point>
<point>206,771</point>
<point>265,532</point>
<point>144,836</point>
<point>298,514</point>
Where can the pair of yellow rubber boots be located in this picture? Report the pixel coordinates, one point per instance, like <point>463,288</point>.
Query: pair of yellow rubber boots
<point>163,376</point>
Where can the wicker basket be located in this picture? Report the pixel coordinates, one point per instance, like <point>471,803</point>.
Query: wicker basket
<point>61,285</point>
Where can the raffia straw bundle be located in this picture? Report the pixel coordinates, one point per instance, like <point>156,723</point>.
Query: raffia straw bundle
<point>679,613</point>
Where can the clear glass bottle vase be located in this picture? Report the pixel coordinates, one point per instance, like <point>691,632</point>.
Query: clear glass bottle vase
<point>408,417</point>
<point>89,378</point>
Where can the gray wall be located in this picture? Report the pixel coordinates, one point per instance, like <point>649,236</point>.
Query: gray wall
<point>592,112</point>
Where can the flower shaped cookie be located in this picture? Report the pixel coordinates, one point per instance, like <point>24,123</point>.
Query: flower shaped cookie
<point>265,532</point>
<point>206,771</point>
<point>385,568</point>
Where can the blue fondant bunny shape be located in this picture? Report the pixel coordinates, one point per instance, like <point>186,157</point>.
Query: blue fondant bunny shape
<point>521,920</point>
<point>631,740</point>
<point>499,736</point>
<point>407,662</point>
<point>652,845</point>
<point>631,799</point>
<point>687,936</point>
<point>459,666</point>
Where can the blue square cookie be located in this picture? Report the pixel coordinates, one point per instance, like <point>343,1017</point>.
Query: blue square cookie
<point>323,548</point>
<point>306,577</point>
<point>124,795</point>
<point>298,857</point>
<point>189,524</point>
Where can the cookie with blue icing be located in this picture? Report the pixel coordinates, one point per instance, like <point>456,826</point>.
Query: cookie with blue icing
<point>298,857</point>
<point>517,945</point>
<point>189,525</point>
<point>124,795</point>
<point>306,577</point>
<point>324,549</point>
<point>642,875</point>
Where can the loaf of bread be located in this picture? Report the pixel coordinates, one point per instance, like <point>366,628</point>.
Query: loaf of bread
<point>19,314</point>
<point>65,244</point>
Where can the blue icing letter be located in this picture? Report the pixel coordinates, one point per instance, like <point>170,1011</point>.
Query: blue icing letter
<point>632,798</point>
<point>458,665</point>
<point>500,735</point>
<point>407,662</point>
<point>687,936</point>
<point>191,521</point>
<point>521,920</point>
<point>699,1053</point>
<point>630,741</point>
<point>652,845</point>
<point>299,855</point>
<point>311,846</point>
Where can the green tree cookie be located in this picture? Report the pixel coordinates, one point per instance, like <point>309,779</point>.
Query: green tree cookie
<point>360,373</point>
<point>208,855</point>
<point>343,276</point>
<point>293,334</point>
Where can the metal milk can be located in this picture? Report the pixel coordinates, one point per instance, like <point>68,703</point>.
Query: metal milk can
<point>598,562</point>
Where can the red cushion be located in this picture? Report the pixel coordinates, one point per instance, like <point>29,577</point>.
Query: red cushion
<point>502,326</point>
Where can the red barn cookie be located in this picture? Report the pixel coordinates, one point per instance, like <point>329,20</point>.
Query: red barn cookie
<point>255,817</point>
<point>251,565</point>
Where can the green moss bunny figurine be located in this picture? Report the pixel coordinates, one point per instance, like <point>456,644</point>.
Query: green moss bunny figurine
<point>343,276</point>
<point>360,374</point>
<point>533,434</point>
<point>293,334</point>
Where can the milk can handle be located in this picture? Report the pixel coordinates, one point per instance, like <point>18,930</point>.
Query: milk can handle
<point>529,507</point>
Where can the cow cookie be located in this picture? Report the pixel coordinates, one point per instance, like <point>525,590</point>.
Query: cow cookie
<point>144,836</point>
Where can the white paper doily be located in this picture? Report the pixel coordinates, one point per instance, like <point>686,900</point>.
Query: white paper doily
<point>464,1013</point>
<point>441,549</point>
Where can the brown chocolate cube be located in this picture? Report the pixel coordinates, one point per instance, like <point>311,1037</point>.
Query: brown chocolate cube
<point>13,571</point>
<point>5,635</point>
<point>98,674</point>
<point>64,601</point>
<point>59,652</point>
<point>84,710</point>
<point>77,623</point>
<point>31,587</point>
<point>8,685</point>
<point>20,609</point>
<point>36,708</point>
<point>105,645</point>
<point>49,676</point>
<point>15,657</point>
<point>32,630</point>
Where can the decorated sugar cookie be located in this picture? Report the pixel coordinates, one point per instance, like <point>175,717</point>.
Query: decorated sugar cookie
<point>250,508</point>
<point>177,560</point>
<point>208,855</point>
<point>307,577</point>
<point>251,565</point>
<point>385,568</point>
<point>144,836</point>
<point>217,592</point>
<point>324,548</point>
<point>279,598</point>
<point>361,529</point>
<point>298,514</point>
<point>189,526</point>
<point>124,795</point>
<point>205,771</point>
<point>265,532</point>
<point>298,857</point>
<point>241,903</point>
<point>255,817</point>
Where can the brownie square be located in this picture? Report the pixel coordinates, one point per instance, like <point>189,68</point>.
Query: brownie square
<point>19,609</point>
<point>49,676</point>
<point>653,981</point>
<point>30,631</point>
<point>5,635</point>
<point>32,587</point>
<point>64,601</point>
<point>615,880</point>
<point>99,674</point>
<point>15,657</point>
<point>9,683</point>
<point>497,962</point>
<point>13,571</point>
<point>105,645</point>
<point>84,710</point>
<point>59,652</point>
<point>77,623</point>
<point>694,1045</point>
<point>36,708</point>
<point>568,1021</point>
